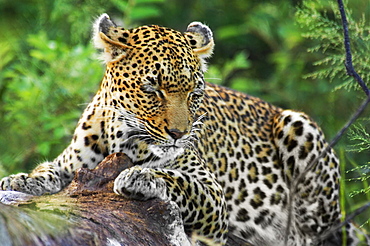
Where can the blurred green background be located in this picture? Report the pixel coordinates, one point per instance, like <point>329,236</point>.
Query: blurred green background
<point>289,53</point>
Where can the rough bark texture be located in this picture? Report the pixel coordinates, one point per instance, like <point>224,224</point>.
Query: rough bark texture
<point>87,212</point>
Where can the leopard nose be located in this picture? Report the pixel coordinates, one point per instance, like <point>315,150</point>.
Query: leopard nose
<point>176,133</point>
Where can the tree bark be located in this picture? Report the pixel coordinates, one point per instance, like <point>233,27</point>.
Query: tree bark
<point>87,212</point>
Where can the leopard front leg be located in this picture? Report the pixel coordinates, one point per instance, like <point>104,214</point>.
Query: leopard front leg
<point>44,179</point>
<point>85,150</point>
<point>201,201</point>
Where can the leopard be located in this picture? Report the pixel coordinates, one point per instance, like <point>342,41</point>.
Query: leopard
<point>227,159</point>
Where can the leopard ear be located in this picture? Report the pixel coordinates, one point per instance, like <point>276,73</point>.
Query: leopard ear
<point>110,38</point>
<point>200,38</point>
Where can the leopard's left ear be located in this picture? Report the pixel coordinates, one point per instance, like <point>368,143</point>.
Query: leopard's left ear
<point>109,38</point>
<point>200,38</point>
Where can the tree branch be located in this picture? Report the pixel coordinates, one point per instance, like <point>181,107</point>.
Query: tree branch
<point>351,72</point>
<point>87,212</point>
<point>335,228</point>
<point>349,66</point>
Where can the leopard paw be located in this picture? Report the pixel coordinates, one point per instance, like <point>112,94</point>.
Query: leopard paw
<point>44,179</point>
<point>23,183</point>
<point>140,183</point>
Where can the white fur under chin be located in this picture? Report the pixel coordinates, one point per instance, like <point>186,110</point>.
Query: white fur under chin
<point>167,153</point>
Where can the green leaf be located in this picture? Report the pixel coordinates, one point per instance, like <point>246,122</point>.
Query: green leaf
<point>44,148</point>
<point>149,1</point>
<point>143,12</point>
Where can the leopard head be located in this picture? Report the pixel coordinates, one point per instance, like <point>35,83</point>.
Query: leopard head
<point>154,76</point>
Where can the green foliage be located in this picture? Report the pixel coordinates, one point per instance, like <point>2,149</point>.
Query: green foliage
<point>360,142</point>
<point>363,178</point>
<point>5,54</point>
<point>45,85</point>
<point>361,138</point>
<point>137,10</point>
<point>322,24</point>
<point>328,31</point>
<point>224,74</point>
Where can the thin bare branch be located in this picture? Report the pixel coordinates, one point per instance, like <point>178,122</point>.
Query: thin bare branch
<point>349,66</point>
<point>343,223</point>
<point>300,178</point>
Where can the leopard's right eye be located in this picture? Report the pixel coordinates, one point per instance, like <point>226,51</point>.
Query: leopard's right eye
<point>149,85</point>
<point>160,94</point>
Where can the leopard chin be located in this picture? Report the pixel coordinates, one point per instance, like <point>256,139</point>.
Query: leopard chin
<point>166,152</point>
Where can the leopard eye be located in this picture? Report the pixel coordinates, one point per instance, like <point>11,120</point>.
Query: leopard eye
<point>148,88</point>
<point>160,94</point>
<point>197,93</point>
<point>200,83</point>
<point>150,85</point>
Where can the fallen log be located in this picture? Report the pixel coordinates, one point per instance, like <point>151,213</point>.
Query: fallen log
<point>87,212</point>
